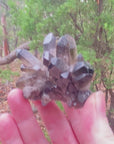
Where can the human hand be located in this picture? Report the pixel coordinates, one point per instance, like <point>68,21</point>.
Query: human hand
<point>87,125</point>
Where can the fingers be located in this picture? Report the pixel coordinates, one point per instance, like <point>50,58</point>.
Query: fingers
<point>8,130</point>
<point>90,123</point>
<point>56,124</point>
<point>25,120</point>
<point>54,119</point>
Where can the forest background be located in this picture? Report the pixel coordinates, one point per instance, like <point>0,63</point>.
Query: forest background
<point>90,22</point>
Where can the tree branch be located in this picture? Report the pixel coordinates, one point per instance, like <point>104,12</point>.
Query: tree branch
<point>4,5</point>
<point>12,56</point>
<point>81,21</point>
<point>75,24</point>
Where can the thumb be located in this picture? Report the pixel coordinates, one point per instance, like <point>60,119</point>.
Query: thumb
<point>90,123</point>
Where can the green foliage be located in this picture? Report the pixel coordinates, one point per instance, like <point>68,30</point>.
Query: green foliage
<point>93,31</point>
<point>112,111</point>
<point>7,75</point>
<point>47,135</point>
<point>60,105</point>
<point>88,53</point>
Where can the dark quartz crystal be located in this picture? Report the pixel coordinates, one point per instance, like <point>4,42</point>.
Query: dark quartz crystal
<point>66,49</point>
<point>49,45</point>
<point>62,75</point>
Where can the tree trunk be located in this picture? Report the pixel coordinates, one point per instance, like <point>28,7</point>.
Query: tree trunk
<point>99,45</point>
<point>1,51</point>
<point>5,41</point>
<point>111,111</point>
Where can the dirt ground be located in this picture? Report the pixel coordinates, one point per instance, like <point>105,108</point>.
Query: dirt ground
<point>7,86</point>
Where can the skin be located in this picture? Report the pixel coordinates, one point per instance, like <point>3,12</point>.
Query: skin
<point>87,125</point>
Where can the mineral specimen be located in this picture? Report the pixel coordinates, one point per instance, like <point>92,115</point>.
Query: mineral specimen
<point>62,74</point>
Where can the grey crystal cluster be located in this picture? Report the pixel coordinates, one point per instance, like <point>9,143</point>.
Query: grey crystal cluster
<point>62,74</point>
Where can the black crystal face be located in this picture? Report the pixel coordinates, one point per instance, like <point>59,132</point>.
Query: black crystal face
<point>82,73</point>
<point>82,70</point>
<point>61,75</point>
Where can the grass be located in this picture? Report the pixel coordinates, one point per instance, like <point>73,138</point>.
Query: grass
<point>47,136</point>
<point>7,75</point>
<point>112,111</point>
<point>60,105</point>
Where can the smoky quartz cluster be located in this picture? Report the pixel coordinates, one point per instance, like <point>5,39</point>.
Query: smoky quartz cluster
<point>62,74</point>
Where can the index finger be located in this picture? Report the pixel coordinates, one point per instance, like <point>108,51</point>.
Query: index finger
<point>25,120</point>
